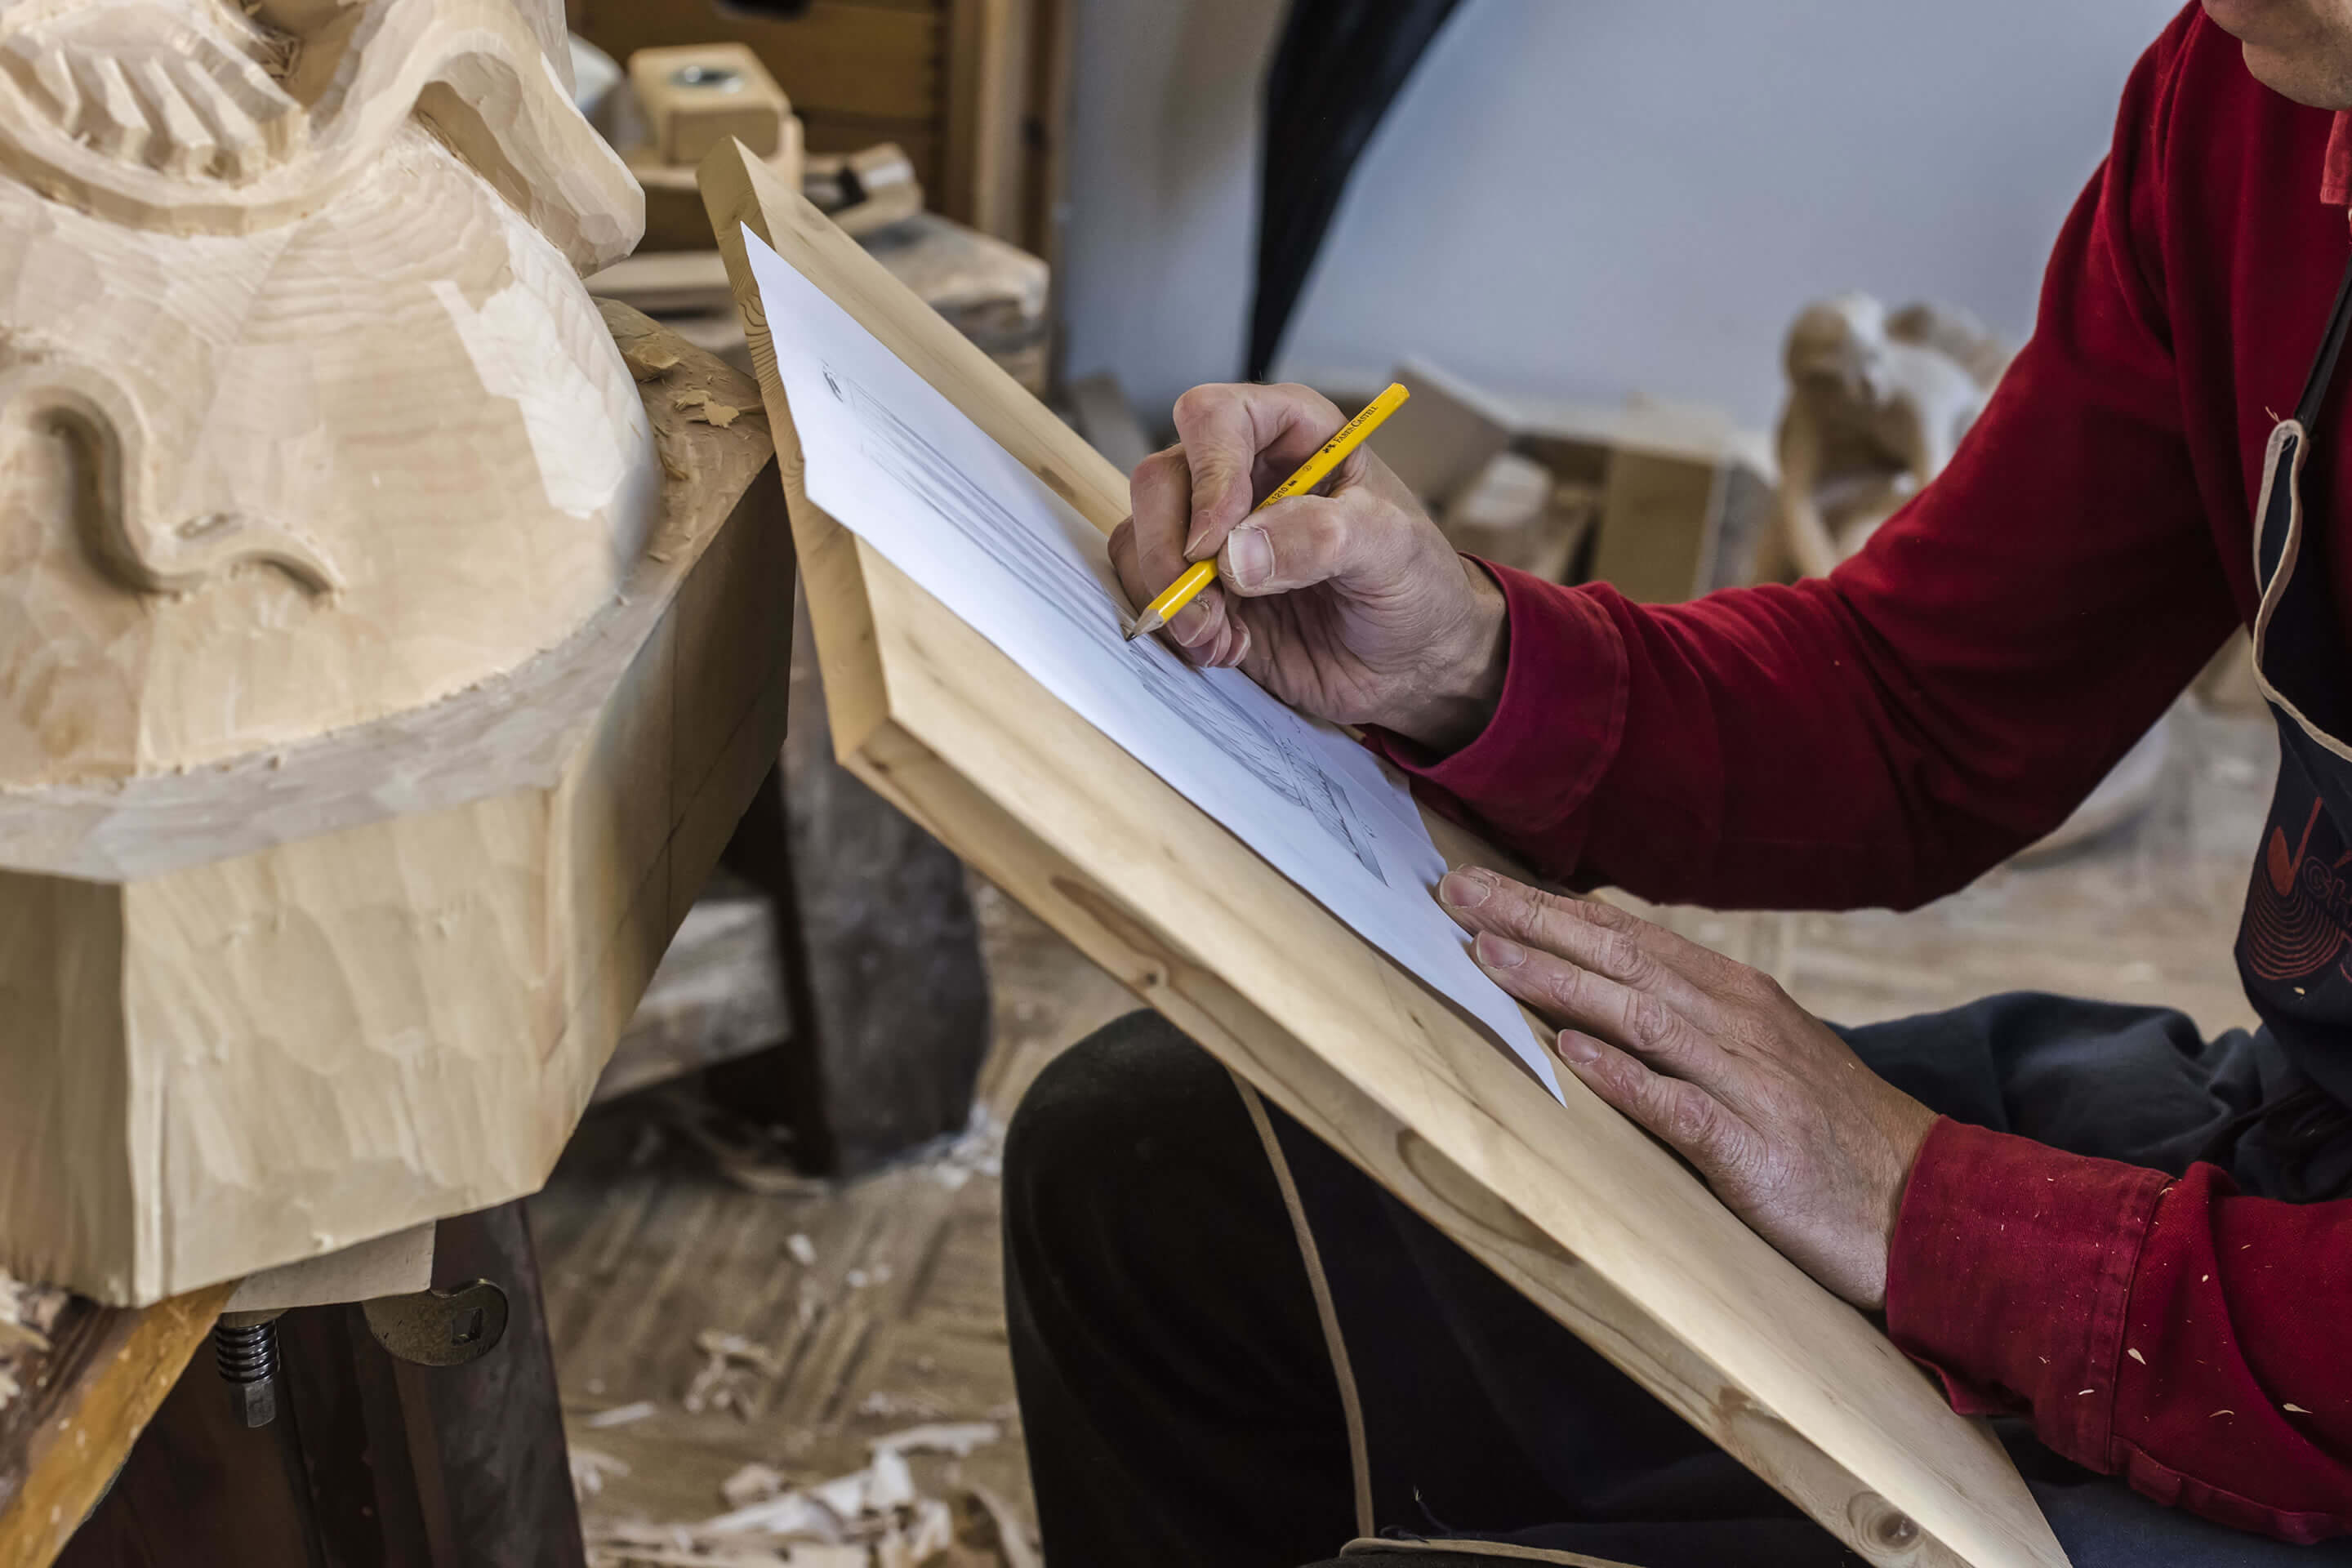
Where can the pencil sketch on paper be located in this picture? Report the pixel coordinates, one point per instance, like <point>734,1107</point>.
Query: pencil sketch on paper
<point>932,478</point>
<point>891,457</point>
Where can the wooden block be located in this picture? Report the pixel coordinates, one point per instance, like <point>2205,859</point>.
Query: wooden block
<point>282,1004</point>
<point>696,96</point>
<point>400,1264</point>
<point>844,134</point>
<point>666,282</point>
<point>1572,1204</point>
<point>1517,514</point>
<point>674,215</point>
<point>1657,525</point>
<point>992,293</point>
<point>1683,494</point>
<point>988,91</point>
<point>1454,430</point>
<point>874,187</point>
<point>837,58</point>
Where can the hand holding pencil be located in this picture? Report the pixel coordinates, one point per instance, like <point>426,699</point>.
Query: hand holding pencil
<point>1302,482</point>
<point>1349,605</point>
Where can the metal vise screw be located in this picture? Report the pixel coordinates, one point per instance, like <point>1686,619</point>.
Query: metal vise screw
<point>246,1353</point>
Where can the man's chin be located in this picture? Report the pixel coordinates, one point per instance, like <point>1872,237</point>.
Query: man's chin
<point>2300,50</point>
<point>2323,82</point>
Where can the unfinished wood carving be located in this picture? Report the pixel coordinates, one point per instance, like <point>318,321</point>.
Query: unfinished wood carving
<point>269,1007</point>
<point>304,418</point>
<point>384,649</point>
<point>1877,403</point>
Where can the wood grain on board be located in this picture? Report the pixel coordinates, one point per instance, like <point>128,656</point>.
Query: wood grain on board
<point>70,1430</point>
<point>1583,1212</point>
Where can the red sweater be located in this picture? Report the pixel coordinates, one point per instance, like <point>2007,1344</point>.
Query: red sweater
<point>1887,735</point>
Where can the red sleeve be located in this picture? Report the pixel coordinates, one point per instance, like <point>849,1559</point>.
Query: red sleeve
<point>2175,1334</point>
<point>1885,735</point>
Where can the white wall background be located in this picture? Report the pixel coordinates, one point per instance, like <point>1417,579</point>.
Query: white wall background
<point>1581,199</point>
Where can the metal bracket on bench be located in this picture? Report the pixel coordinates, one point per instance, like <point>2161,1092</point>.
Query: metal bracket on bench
<point>440,1328</point>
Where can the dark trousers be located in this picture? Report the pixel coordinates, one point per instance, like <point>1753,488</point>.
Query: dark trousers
<point>1179,1398</point>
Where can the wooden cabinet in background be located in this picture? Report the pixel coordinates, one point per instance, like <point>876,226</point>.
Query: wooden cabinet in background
<point>972,89</point>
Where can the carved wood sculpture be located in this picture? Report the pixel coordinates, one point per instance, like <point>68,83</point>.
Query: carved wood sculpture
<point>687,100</point>
<point>1570,1202</point>
<point>1877,403</point>
<point>291,310</point>
<point>379,668</point>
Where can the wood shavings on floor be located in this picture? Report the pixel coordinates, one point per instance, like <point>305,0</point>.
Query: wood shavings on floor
<point>736,1375</point>
<point>876,1517</point>
<point>27,1314</point>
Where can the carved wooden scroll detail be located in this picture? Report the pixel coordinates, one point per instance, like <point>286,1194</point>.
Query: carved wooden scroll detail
<point>125,533</point>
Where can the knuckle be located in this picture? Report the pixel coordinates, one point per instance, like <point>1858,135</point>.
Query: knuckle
<point>1607,916</point>
<point>1527,908</point>
<point>1562,984</point>
<point>1570,989</point>
<point>1326,533</point>
<point>1306,397</point>
<point>1647,1020</point>
<point>1157,473</point>
<point>1199,402</point>
<point>1755,987</point>
<point>1621,957</point>
<point>1692,1118</point>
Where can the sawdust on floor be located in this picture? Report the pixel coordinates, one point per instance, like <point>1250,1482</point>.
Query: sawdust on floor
<point>707,1317</point>
<point>712,1328</point>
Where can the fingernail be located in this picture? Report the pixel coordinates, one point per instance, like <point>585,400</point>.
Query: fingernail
<point>1249,559</point>
<point>1463,890</point>
<point>1500,952</point>
<point>1190,625</point>
<point>1196,537</point>
<point>1577,1047</point>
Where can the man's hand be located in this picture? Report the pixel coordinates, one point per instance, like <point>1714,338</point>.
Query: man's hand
<point>1349,605</point>
<point>1805,1143</point>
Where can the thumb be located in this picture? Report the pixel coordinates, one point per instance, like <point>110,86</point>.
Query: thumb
<point>1302,542</point>
<point>1221,497</point>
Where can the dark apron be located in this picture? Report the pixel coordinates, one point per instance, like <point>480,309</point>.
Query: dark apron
<point>2294,944</point>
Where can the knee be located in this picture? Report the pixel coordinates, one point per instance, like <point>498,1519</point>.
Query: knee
<point>1107,1100</point>
<point>1125,1119</point>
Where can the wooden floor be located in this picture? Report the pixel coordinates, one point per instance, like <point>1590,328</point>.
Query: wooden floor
<point>646,1240</point>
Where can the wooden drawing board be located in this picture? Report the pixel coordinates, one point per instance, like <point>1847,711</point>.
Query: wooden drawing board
<point>1572,1204</point>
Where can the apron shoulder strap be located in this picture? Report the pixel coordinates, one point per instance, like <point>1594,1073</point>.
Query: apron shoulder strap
<point>2323,364</point>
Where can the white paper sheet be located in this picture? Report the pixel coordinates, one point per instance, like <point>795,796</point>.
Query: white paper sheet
<point>895,462</point>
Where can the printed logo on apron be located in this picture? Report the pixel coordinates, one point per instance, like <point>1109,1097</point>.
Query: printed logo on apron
<point>2299,904</point>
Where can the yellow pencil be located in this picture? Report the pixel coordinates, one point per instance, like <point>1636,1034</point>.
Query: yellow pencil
<point>1311,472</point>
